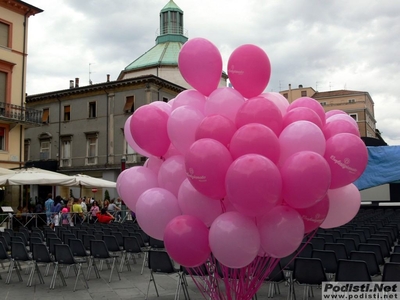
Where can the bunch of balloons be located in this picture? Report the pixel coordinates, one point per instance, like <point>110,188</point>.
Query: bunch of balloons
<point>237,172</point>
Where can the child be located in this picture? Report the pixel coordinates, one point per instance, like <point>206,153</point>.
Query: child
<point>64,216</point>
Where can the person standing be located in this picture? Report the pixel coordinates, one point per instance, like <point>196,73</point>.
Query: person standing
<point>48,206</point>
<point>56,211</point>
<point>77,212</point>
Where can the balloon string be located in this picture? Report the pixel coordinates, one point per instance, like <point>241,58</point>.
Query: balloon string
<point>223,208</point>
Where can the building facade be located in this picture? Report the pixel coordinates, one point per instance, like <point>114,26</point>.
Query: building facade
<point>14,115</point>
<point>358,104</point>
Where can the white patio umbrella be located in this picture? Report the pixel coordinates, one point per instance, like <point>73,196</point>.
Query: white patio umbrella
<point>85,180</point>
<point>4,171</point>
<point>35,176</point>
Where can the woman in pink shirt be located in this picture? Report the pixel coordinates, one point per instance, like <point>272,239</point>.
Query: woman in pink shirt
<point>93,211</point>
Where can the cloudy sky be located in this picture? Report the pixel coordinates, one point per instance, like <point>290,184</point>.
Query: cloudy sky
<point>326,45</point>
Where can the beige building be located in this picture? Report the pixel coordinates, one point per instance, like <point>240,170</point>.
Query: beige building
<point>359,105</point>
<point>14,116</point>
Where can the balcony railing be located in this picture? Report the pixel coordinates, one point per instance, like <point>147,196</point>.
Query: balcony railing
<point>15,113</point>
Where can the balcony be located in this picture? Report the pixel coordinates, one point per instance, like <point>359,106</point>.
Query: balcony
<point>15,114</point>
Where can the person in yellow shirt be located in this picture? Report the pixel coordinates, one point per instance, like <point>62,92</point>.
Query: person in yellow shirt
<point>77,213</point>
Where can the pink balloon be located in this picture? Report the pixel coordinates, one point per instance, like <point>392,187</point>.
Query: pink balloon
<point>281,231</point>
<point>190,98</point>
<point>216,127</point>
<point>186,241</point>
<point>196,204</point>
<point>249,70</point>
<point>302,114</point>
<point>153,163</point>
<point>234,239</point>
<point>206,164</point>
<point>344,203</point>
<point>260,110</point>
<point>171,152</point>
<point>253,184</point>
<point>224,101</point>
<point>172,173</point>
<point>182,126</point>
<point>149,129</point>
<point>306,178</point>
<point>310,103</point>
<point>155,208</point>
<point>255,138</point>
<point>315,215</point>
<point>339,126</point>
<point>130,140</point>
<point>301,136</point>
<point>200,64</point>
<point>347,157</point>
<point>345,117</point>
<point>165,107</point>
<point>280,101</point>
<point>132,182</point>
<point>334,112</point>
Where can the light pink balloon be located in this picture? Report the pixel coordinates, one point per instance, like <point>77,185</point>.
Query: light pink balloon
<point>155,208</point>
<point>224,101</point>
<point>149,129</point>
<point>255,138</point>
<point>196,204</point>
<point>260,110</point>
<point>132,182</point>
<point>280,101</point>
<point>234,240</point>
<point>182,126</point>
<point>306,178</point>
<point>172,173</point>
<point>344,117</point>
<point>347,157</point>
<point>310,103</point>
<point>334,112</point>
<point>301,136</point>
<point>339,126</point>
<point>281,231</point>
<point>165,107</point>
<point>249,70</point>
<point>302,114</point>
<point>190,98</point>
<point>216,127</point>
<point>344,203</point>
<point>253,184</point>
<point>186,241</point>
<point>200,64</point>
<point>153,163</point>
<point>130,140</point>
<point>206,164</point>
<point>315,215</point>
<point>171,152</point>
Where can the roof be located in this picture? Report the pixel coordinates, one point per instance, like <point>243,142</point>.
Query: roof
<point>162,54</point>
<point>337,93</point>
<point>21,7</point>
<point>171,5</point>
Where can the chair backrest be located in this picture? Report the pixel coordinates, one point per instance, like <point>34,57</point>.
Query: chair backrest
<point>4,242</point>
<point>52,243</point>
<point>318,243</point>
<point>9,231</point>
<point>374,248</point>
<point>111,243</point>
<point>86,238</point>
<point>348,243</point>
<point>37,234</point>
<point>34,240</point>
<point>25,231</point>
<point>328,259</point>
<point>19,252</point>
<point>366,230</point>
<point>381,242</point>
<point>49,236</point>
<point>354,236</point>
<point>7,237</point>
<point>131,245</point>
<point>67,236</point>
<point>309,271</point>
<point>370,259</point>
<point>22,236</point>
<point>98,249</point>
<point>138,236</point>
<point>352,270</point>
<point>339,249</point>
<point>3,251</point>
<point>395,257</point>
<point>391,272</point>
<point>383,236</point>
<point>288,262</point>
<point>144,235</point>
<point>77,248</point>
<point>40,253</point>
<point>63,254</point>
<point>276,275</point>
<point>120,238</point>
<point>154,243</point>
<point>160,262</point>
<point>329,238</point>
<point>396,249</point>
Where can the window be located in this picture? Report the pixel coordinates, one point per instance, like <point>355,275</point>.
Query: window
<point>92,109</point>
<point>27,149</point>
<point>44,149</point>
<point>67,113</point>
<point>323,103</point>
<point>65,151</point>
<point>5,36</point>
<point>91,148</point>
<point>130,154</point>
<point>2,139</point>
<point>352,100</point>
<point>304,93</point>
<point>129,104</point>
<point>5,81</point>
<point>354,116</point>
<point>165,99</point>
<point>286,95</point>
<point>3,87</point>
<point>45,116</point>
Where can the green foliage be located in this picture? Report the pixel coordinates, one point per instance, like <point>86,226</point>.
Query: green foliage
<point>106,195</point>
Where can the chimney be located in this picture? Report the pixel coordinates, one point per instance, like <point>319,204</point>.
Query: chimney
<point>76,82</point>
<point>108,77</point>
<point>300,86</point>
<point>71,84</point>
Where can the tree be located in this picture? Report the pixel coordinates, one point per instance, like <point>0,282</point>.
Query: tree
<point>106,195</point>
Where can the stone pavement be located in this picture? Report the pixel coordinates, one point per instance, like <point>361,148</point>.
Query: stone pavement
<point>132,285</point>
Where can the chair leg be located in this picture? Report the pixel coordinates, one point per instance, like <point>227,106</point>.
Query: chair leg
<point>148,286</point>
<point>78,272</point>
<point>112,269</point>
<point>146,255</point>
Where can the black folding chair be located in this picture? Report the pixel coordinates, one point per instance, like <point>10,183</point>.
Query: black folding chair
<point>99,251</point>
<point>374,248</point>
<point>40,255</point>
<point>131,247</point>
<point>328,259</point>
<point>391,272</point>
<point>78,251</point>
<point>370,259</point>
<point>18,254</point>
<point>3,254</point>
<point>352,270</point>
<point>308,272</point>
